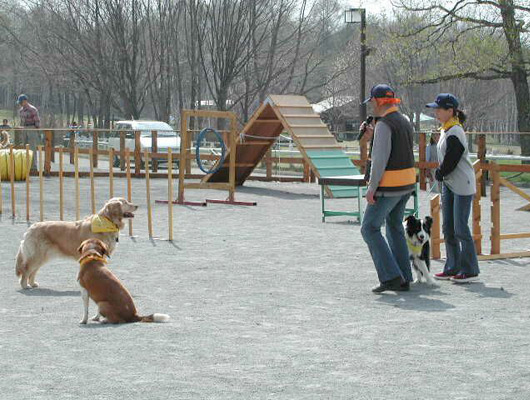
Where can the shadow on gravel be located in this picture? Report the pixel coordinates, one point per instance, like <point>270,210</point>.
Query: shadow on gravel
<point>281,194</point>
<point>487,291</point>
<point>415,301</point>
<point>50,292</point>
<point>97,325</point>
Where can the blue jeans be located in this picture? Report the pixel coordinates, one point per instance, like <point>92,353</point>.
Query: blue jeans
<point>390,256</point>
<point>459,246</point>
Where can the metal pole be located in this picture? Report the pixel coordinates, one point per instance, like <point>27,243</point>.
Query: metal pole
<point>363,65</point>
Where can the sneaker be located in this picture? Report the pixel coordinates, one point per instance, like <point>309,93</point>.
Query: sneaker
<point>442,276</point>
<point>464,278</point>
<point>395,285</point>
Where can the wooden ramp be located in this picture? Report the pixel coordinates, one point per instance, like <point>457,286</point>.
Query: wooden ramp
<point>315,142</point>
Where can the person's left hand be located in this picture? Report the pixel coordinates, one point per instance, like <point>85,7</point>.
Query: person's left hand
<point>438,175</point>
<point>370,197</point>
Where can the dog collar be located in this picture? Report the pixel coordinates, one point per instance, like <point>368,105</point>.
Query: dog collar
<point>415,249</point>
<point>100,224</point>
<point>92,257</point>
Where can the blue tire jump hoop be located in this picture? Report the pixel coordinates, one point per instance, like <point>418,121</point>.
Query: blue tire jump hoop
<point>221,161</point>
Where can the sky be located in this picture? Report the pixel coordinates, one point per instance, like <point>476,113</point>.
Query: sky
<point>372,6</point>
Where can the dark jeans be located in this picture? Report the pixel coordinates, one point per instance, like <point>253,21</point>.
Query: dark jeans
<point>390,256</point>
<point>459,246</point>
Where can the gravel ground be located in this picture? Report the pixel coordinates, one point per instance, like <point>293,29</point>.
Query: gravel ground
<point>265,302</point>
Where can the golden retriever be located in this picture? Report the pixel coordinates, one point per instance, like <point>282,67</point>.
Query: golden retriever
<point>115,303</point>
<point>44,241</point>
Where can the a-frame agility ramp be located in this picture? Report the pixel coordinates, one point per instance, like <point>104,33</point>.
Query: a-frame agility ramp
<point>293,114</point>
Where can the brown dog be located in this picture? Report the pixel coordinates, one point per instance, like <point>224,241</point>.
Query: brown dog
<point>44,241</point>
<point>115,303</point>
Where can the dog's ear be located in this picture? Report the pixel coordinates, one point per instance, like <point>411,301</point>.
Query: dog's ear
<point>104,248</point>
<point>410,218</point>
<point>428,221</point>
<point>80,248</point>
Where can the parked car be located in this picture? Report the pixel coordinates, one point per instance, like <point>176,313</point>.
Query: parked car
<point>167,137</point>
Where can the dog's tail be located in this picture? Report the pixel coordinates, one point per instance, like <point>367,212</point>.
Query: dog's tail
<point>154,318</point>
<point>20,265</point>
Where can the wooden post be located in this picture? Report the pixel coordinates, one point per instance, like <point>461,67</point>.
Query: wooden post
<point>92,186</point>
<point>129,184</point>
<point>137,154</point>
<point>154,149</point>
<point>41,183</point>
<point>481,154</point>
<point>61,186</point>
<point>495,211</point>
<point>95,137</point>
<point>170,192</point>
<point>148,196</point>
<point>122,150</point>
<point>28,168</point>
<point>477,230</point>
<point>188,142</point>
<point>307,171</point>
<point>48,146</point>
<point>422,148</point>
<point>268,163</point>
<point>12,179</point>
<point>1,199</point>
<point>232,165</point>
<point>111,173</point>
<point>76,178</point>
<point>71,145</point>
<point>363,145</point>
<point>435,229</point>
<point>183,155</point>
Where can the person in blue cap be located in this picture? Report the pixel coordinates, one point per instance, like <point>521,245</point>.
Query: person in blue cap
<point>458,189</point>
<point>391,180</point>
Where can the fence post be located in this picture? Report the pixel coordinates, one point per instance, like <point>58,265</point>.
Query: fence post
<point>422,148</point>
<point>495,211</point>
<point>71,145</point>
<point>122,151</point>
<point>48,148</point>
<point>137,154</point>
<point>435,229</point>
<point>154,149</point>
<point>95,138</point>
<point>481,154</point>
<point>477,230</point>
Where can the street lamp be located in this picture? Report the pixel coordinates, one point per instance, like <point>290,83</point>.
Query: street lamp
<point>358,16</point>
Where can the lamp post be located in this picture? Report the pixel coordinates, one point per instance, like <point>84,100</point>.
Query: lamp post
<point>356,16</point>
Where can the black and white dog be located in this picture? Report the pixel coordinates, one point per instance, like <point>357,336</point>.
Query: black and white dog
<point>418,235</point>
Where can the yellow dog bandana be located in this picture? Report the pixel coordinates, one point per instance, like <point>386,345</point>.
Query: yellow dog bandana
<point>101,224</point>
<point>91,257</point>
<point>414,249</point>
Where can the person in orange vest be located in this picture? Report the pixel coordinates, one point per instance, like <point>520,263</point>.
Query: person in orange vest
<point>391,181</point>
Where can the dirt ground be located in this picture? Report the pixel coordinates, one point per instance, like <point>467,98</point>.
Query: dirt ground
<point>265,302</point>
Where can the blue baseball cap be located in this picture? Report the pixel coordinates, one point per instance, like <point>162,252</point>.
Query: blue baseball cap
<point>380,91</point>
<point>21,98</point>
<point>444,100</point>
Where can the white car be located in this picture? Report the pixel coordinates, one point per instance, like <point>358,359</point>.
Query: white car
<point>167,137</point>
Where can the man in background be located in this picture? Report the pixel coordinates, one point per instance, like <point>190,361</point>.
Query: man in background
<point>29,119</point>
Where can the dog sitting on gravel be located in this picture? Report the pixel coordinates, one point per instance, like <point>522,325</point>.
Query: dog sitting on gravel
<point>418,235</point>
<point>115,303</point>
<point>45,241</point>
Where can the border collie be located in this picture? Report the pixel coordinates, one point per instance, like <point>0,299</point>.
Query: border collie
<point>418,235</point>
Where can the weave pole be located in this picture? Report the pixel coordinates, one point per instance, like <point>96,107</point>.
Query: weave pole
<point>76,178</point>
<point>92,188</point>
<point>148,191</point>
<point>1,201</point>
<point>111,173</point>
<point>41,184</point>
<point>61,185</point>
<point>129,184</point>
<point>170,192</point>
<point>12,179</point>
<point>28,167</point>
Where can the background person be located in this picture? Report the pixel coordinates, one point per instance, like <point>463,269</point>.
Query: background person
<point>29,119</point>
<point>431,155</point>
<point>458,189</point>
<point>391,182</point>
